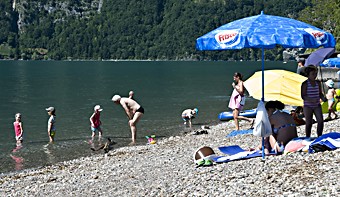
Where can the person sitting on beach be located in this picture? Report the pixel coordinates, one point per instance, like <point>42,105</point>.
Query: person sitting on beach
<point>283,127</point>
<point>331,101</point>
<point>237,100</point>
<point>188,115</point>
<point>95,121</point>
<point>18,129</point>
<point>133,110</point>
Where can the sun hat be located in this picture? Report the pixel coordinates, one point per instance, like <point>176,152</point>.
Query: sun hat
<point>196,110</point>
<point>330,83</point>
<point>115,98</point>
<point>50,109</point>
<point>97,107</point>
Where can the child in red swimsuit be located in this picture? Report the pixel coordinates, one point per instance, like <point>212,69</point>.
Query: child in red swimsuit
<point>18,129</point>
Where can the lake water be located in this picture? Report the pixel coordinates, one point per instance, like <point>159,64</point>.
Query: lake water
<point>163,88</point>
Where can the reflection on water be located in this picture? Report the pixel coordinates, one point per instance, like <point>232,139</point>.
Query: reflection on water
<point>49,150</point>
<point>93,143</point>
<point>19,161</point>
<point>18,147</point>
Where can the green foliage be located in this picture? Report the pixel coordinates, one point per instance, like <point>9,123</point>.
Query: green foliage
<point>141,29</point>
<point>324,14</point>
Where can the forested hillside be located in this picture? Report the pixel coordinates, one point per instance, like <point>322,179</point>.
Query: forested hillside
<point>140,29</point>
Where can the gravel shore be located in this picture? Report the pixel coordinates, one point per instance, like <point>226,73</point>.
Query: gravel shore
<point>167,169</point>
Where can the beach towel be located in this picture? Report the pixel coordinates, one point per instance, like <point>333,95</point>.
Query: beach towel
<point>235,152</point>
<point>262,127</point>
<point>239,132</point>
<point>298,144</point>
<point>236,101</point>
<point>329,141</point>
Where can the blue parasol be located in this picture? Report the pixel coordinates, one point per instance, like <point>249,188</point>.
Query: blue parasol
<point>318,56</point>
<point>265,32</point>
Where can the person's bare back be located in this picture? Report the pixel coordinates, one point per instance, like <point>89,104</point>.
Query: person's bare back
<point>133,111</point>
<point>130,104</point>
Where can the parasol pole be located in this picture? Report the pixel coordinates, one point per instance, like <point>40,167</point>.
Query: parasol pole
<point>262,96</point>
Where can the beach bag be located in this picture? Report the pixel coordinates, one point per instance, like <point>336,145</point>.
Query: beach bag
<point>262,126</point>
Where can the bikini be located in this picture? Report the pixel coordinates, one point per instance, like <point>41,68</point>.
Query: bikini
<point>276,130</point>
<point>277,144</point>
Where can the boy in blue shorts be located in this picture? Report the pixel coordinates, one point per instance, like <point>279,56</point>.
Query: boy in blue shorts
<point>95,121</point>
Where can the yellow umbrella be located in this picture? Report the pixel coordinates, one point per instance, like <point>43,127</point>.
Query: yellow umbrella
<point>281,85</point>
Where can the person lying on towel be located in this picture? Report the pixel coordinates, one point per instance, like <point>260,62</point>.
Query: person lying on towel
<point>283,127</point>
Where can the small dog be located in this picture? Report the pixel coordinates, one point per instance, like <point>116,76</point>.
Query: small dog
<point>106,147</point>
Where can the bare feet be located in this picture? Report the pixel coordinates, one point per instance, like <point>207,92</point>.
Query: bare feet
<point>132,144</point>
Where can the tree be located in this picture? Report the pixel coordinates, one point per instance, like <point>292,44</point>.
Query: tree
<point>324,14</point>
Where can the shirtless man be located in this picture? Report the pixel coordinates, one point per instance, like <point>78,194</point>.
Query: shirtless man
<point>133,111</point>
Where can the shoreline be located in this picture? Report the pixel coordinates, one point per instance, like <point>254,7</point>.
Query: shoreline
<point>167,169</point>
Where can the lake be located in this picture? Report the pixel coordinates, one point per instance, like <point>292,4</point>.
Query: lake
<point>163,88</point>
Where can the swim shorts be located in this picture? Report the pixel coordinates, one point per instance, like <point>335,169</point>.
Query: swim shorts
<point>96,129</point>
<point>141,110</point>
<point>186,119</point>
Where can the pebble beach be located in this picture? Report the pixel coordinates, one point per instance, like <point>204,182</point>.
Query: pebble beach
<point>167,168</point>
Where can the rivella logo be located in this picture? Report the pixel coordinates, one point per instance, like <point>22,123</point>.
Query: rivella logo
<point>227,37</point>
<point>319,36</point>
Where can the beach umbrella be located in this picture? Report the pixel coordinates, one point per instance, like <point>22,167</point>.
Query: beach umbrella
<point>281,85</point>
<point>331,62</point>
<point>318,56</point>
<point>265,32</point>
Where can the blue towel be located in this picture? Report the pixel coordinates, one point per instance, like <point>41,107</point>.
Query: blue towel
<point>231,150</point>
<point>240,132</point>
<point>324,142</point>
<point>235,152</point>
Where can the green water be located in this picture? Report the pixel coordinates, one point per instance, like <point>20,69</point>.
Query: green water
<point>163,88</point>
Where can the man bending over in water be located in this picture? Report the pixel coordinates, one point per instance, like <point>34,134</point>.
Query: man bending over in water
<point>133,111</point>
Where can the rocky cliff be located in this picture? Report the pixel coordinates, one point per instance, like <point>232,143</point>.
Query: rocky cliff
<point>58,10</point>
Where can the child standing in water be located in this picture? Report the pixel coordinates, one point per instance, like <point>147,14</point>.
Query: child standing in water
<point>51,123</point>
<point>18,129</point>
<point>95,121</point>
<point>188,115</point>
